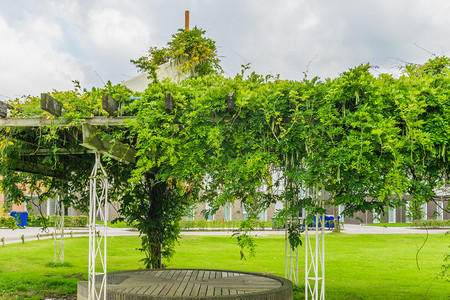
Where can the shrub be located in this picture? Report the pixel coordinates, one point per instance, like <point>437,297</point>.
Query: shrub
<point>430,223</point>
<point>8,222</point>
<point>49,221</point>
<point>203,224</point>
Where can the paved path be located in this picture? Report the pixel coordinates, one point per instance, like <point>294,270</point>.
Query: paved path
<point>31,233</point>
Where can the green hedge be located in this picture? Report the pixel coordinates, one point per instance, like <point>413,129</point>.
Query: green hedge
<point>204,224</point>
<point>9,222</point>
<point>49,221</point>
<point>430,223</point>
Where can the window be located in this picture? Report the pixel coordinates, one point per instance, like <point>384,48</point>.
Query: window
<point>51,207</point>
<point>391,215</point>
<point>424,211</point>
<point>408,213</point>
<point>227,212</point>
<point>244,212</point>
<point>191,213</point>
<point>439,211</point>
<point>376,218</point>
<point>263,215</point>
<point>210,216</point>
<point>341,208</point>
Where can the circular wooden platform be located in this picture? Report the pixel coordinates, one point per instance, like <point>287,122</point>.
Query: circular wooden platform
<point>192,284</point>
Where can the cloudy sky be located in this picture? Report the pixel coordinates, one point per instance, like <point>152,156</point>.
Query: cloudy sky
<point>46,44</point>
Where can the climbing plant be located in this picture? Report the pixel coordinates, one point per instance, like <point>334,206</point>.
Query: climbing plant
<point>189,50</point>
<point>370,142</point>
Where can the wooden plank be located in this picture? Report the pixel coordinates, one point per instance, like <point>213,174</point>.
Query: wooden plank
<point>179,275</point>
<point>200,275</point>
<point>4,108</point>
<point>92,139</point>
<point>230,102</point>
<point>210,290</point>
<point>168,102</point>
<point>51,105</point>
<point>151,289</point>
<point>188,289</point>
<point>203,289</point>
<point>158,273</point>
<point>43,121</point>
<point>207,275</point>
<point>61,151</point>
<point>140,290</point>
<point>158,289</point>
<point>166,289</point>
<point>173,288</point>
<point>181,288</point>
<point>195,290</point>
<point>194,275</point>
<point>36,168</point>
<point>110,105</point>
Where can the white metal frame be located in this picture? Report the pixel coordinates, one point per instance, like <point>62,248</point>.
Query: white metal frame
<point>98,205</point>
<point>58,236</point>
<point>315,254</point>
<point>291,256</point>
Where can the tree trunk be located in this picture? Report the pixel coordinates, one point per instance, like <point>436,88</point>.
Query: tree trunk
<point>155,228</point>
<point>337,227</point>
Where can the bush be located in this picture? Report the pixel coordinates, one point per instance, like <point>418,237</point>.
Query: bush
<point>203,224</point>
<point>430,223</point>
<point>9,222</point>
<point>49,221</point>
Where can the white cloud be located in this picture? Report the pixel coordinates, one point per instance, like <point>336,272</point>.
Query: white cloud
<point>30,62</point>
<point>46,44</point>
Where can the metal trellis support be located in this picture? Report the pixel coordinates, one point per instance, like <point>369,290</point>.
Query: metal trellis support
<point>315,254</point>
<point>294,223</point>
<point>98,208</point>
<point>58,235</point>
<point>291,255</point>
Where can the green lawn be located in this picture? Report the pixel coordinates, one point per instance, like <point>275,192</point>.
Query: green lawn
<point>357,266</point>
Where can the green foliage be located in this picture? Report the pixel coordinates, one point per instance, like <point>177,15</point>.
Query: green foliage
<point>9,222</point>
<point>202,224</point>
<point>189,49</point>
<point>49,221</point>
<point>365,140</point>
<point>433,223</point>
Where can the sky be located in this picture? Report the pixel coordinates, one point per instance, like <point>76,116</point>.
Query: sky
<point>45,45</point>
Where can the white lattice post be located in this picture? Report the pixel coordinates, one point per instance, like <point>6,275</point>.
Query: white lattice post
<point>58,236</point>
<point>291,255</point>
<point>315,254</point>
<point>98,206</point>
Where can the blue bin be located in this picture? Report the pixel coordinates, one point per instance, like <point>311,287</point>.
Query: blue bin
<point>329,221</point>
<point>21,217</point>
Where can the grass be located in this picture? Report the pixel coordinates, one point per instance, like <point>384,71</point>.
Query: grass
<point>357,266</point>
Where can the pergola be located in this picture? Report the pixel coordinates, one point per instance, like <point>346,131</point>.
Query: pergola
<point>91,143</point>
<point>88,136</point>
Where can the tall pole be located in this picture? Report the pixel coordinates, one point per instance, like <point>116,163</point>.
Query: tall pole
<point>186,20</point>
